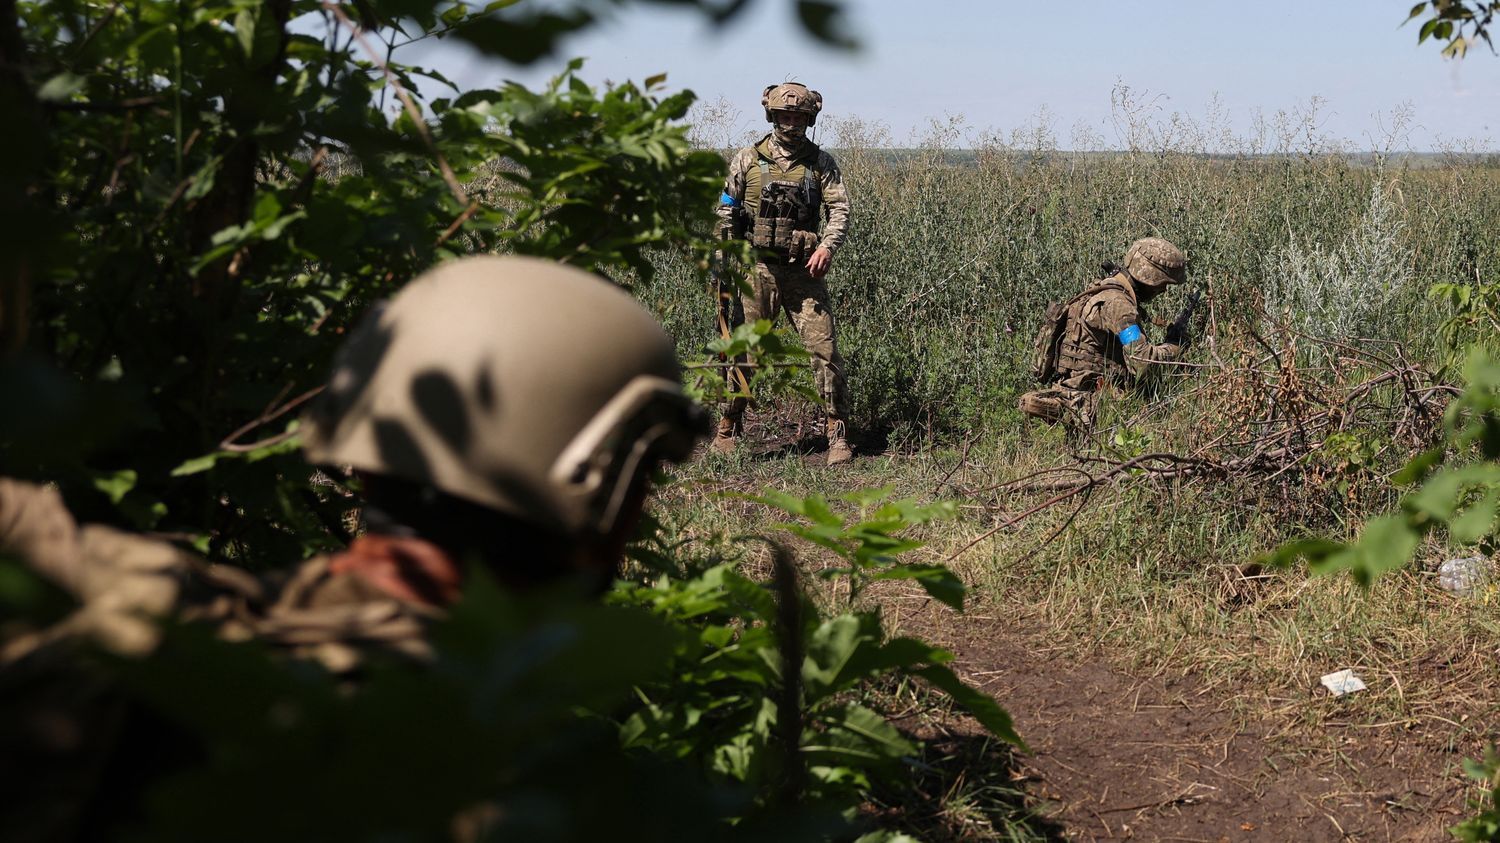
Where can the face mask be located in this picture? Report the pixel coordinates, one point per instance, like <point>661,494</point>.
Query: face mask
<point>1145,293</point>
<point>790,134</point>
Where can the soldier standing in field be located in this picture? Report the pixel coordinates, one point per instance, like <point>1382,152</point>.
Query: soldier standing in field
<point>1096,338</point>
<point>776,194</point>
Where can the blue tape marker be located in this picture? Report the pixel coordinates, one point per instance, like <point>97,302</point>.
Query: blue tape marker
<point>1130,335</point>
<point>726,199</point>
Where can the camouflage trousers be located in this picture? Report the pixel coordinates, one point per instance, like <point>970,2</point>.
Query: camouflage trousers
<point>1072,407</point>
<point>789,287</point>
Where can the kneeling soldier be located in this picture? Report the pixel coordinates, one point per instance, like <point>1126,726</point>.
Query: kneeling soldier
<point>1096,338</point>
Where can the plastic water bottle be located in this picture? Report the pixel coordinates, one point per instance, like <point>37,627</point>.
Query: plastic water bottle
<point>1465,575</point>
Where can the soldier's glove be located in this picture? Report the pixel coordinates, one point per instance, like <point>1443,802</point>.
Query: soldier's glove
<point>1177,334</point>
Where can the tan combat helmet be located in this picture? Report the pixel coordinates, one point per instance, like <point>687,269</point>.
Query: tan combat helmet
<point>516,383</point>
<point>1155,262</point>
<point>792,96</point>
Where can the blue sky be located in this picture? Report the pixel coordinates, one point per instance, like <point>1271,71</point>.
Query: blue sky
<point>999,64</point>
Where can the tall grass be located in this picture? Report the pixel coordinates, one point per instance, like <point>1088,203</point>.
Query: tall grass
<point>952,255</point>
<point>959,240</point>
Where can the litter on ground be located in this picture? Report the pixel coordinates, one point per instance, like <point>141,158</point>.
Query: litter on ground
<point>1342,682</point>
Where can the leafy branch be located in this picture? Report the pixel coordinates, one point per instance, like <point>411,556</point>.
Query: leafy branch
<point>1459,22</point>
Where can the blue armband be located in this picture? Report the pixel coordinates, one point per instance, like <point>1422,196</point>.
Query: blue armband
<point>1130,335</point>
<point>726,199</point>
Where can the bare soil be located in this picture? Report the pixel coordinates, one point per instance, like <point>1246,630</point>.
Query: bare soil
<point>1119,756</point>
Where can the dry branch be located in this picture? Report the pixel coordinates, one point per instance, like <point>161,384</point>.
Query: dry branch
<point>1261,420</point>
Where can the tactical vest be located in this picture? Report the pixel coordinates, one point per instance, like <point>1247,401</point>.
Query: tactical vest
<point>1082,349</point>
<point>783,201</point>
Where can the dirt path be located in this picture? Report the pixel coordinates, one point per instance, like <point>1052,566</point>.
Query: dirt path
<point>1118,756</point>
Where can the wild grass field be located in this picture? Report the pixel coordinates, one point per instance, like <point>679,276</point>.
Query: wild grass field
<point>201,222</point>
<point>1322,363</point>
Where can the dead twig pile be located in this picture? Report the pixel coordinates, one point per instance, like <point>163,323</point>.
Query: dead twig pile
<point>1304,414</point>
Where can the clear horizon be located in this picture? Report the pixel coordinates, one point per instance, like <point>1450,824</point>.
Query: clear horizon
<point>1340,73</point>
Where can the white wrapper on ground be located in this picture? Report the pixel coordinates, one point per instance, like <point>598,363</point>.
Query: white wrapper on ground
<point>1342,682</point>
<point>1465,575</point>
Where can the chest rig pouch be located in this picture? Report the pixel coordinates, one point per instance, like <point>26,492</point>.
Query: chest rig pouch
<point>787,206</point>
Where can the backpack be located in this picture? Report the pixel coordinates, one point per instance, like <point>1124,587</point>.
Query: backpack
<point>1049,336</point>
<point>1048,339</point>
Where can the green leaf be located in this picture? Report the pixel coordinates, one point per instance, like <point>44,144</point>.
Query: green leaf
<point>655,81</point>
<point>1475,770</point>
<point>1476,521</point>
<point>61,87</point>
<point>823,20</point>
<point>203,180</point>
<point>940,583</point>
<point>813,507</point>
<point>196,465</point>
<point>267,207</point>
<point>1386,544</point>
<point>258,35</point>
<point>910,652</point>
<point>1314,550</point>
<point>274,229</point>
<point>244,30</point>
<point>1443,493</point>
<point>858,734</point>
<point>981,705</point>
<point>117,484</point>
<point>830,650</point>
<point>867,497</point>
<point>1418,468</point>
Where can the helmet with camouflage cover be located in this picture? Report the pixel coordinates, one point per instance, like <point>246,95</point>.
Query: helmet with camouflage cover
<point>1155,262</point>
<point>792,96</point>
<point>515,383</point>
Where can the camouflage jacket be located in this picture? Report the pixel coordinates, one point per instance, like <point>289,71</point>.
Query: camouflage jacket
<point>63,726</point>
<point>1104,340</point>
<point>835,195</point>
<point>124,584</point>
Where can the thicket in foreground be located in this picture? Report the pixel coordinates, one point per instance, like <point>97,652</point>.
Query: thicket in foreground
<point>188,266</point>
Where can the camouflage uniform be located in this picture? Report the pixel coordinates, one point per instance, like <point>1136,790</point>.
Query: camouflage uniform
<point>63,724</point>
<point>124,583</point>
<point>1102,343</point>
<point>777,193</point>
<point>780,283</point>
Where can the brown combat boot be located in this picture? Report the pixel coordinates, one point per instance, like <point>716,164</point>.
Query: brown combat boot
<point>839,451</point>
<point>727,434</point>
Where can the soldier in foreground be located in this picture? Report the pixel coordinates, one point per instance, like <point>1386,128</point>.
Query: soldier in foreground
<point>470,453</point>
<point>775,195</point>
<point>1096,338</point>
